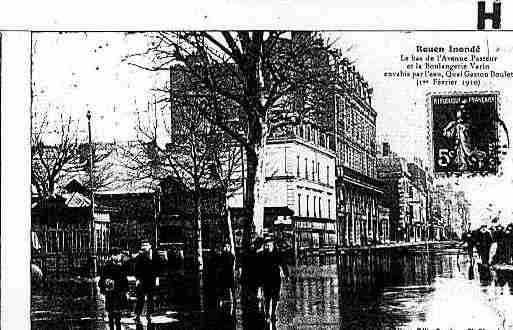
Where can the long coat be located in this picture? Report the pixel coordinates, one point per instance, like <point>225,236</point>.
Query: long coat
<point>146,269</point>
<point>114,285</point>
<point>270,263</point>
<point>225,270</point>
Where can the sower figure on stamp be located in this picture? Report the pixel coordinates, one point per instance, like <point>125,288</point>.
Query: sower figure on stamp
<point>114,285</point>
<point>273,271</point>
<point>459,132</point>
<point>146,269</point>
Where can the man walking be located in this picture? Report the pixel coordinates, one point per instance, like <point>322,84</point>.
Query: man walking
<point>251,281</point>
<point>146,268</point>
<point>273,270</point>
<point>114,285</point>
<point>225,275</point>
<point>484,244</point>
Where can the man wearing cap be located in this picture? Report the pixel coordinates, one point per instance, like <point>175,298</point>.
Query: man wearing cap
<point>273,269</point>
<point>146,269</point>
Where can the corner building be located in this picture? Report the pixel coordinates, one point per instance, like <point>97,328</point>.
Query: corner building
<point>357,188</point>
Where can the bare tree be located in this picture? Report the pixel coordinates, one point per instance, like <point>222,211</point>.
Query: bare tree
<point>249,85</point>
<point>58,154</point>
<point>191,150</point>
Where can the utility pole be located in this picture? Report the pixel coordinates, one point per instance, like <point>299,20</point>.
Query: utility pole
<point>92,229</point>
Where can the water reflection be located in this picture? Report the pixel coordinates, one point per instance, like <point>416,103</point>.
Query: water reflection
<point>394,289</point>
<point>364,290</point>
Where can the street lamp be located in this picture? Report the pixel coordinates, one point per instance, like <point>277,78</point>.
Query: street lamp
<point>92,229</point>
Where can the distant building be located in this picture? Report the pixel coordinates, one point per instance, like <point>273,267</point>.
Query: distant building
<point>406,195</point>
<point>451,208</point>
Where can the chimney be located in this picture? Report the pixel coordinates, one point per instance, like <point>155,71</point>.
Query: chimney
<point>386,149</point>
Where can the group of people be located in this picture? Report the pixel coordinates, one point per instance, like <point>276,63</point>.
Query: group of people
<point>114,282</point>
<point>482,239</point>
<point>261,270</point>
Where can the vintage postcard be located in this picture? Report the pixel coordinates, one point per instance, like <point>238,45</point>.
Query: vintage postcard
<point>269,178</point>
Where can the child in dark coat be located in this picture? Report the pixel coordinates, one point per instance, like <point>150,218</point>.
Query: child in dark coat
<point>114,285</point>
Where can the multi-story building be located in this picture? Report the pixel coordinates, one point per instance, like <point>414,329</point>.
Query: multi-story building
<point>406,195</point>
<point>299,192</point>
<point>357,187</point>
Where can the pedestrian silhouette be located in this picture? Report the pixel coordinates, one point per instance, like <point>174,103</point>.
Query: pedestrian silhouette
<point>114,285</point>
<point>273,271</point>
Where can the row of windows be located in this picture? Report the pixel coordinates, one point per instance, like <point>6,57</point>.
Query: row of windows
<point>313,172</point>
<point>356,126</point>
<point>314,135</point>
<point>314,206</point>
<point>359,161</point>
<point>316,240</point>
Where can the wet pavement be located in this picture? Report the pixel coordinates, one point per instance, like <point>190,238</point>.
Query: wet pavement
<point>388,288</point>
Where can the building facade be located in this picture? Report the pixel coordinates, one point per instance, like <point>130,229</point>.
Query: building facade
<point>406,195</point>
<point>299,192</point>
<point>357,188</point>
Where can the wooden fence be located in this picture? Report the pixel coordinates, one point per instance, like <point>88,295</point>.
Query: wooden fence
<point>63,252</point>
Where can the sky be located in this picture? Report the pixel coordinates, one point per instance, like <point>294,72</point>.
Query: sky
<point>87,72</point>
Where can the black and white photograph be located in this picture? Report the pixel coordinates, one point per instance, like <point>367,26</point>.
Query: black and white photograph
<point>268,179</point>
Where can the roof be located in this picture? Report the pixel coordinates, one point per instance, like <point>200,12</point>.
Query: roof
<point>72,200</point>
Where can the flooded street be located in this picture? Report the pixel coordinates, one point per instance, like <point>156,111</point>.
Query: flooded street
<point>383,289</point>
<point>395,290</point>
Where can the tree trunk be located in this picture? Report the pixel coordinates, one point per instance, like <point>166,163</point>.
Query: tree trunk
<point>258,208</point>
<point>199,242</point>
<point>249,200</point>
<point>254,203</point>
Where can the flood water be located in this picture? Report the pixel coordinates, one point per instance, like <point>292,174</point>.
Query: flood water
<point>396,289</point>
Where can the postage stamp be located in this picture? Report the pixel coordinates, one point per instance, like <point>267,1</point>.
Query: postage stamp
<point>465,133</point>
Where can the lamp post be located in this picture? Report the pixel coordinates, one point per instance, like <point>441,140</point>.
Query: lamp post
<point>92,229</point>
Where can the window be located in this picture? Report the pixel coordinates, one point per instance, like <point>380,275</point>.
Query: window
<point>297,170</point>
<point>306,168</point>
<point>313,170</point>
<point>307,206</point>
<point>318,177</point>
<point>329,208</point>
<point>320,208</point>
<point>327,175</point>
<point>315,206</point>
